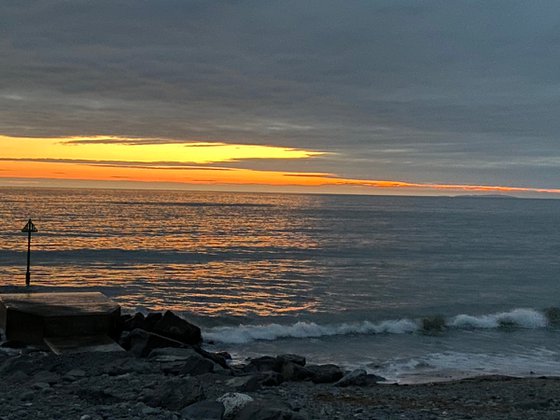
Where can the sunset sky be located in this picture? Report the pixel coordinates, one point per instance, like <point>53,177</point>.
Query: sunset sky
<point>373,96</point>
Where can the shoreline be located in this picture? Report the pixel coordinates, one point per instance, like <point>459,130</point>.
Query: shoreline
<point>88,386</point>
<point>162,378</point>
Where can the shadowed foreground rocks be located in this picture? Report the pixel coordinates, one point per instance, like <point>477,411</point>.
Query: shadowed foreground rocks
<point>165,377</point>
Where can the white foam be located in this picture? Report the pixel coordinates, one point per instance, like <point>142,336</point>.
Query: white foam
<point>451,365</point>
<point>524,318</point>
<point>247,333</point>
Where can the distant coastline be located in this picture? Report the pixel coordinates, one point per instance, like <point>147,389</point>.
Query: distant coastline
<point>505,196</point>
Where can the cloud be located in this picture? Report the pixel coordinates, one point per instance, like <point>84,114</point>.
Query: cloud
<point>429,90</point>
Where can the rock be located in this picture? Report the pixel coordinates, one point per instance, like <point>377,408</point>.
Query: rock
<point>130,323</point>
<point>13,344</point>
<point>74,374</point>
<point>374,379</point>
<point>534,404</point>
<point>260,410</point>
<point>294,372</point>
<point>124,340</point>
<point>17,377</point>
<point>251,383</point>
<point>184,361</point>
<point>172,354</point>
<point>40,386</point>
<point>146,411</point>
<point>233,403</point>
<point>270,378</point>
<point>141,342</point>
<point>433,325</point>
<point>27,395</point>
<point>128,365</point>
<point>224,354</point>
<point>176,328</point>
<point>194,366</point>
<point>151,320</point>
<point>220,358</point>
<point>204,410</point>
<point>357,377</point>
<point>323,374</point>
<point>175,394</point>
<point>263,364</point>
<point>47,377</point>
<point>291,358</point>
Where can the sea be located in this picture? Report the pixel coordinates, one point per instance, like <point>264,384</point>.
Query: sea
<point>414,289</point>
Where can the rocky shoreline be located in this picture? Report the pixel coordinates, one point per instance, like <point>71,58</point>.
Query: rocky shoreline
<point>166,374</point>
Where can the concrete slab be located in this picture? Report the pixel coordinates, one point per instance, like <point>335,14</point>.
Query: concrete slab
<point>64,345</point>
<point>30,317</point>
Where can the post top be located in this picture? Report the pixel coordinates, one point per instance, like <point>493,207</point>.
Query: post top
<point>29,227</point>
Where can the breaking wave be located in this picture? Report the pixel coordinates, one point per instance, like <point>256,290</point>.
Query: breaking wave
<point>523,318</point>
<point>516,318</point>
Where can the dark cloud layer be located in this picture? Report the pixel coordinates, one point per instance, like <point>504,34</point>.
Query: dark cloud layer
<point>449,91</point>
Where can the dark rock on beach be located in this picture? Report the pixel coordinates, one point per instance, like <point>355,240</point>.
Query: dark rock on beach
<point>182,361</point>
<point>167,325</point>
<point>175,394</point>
<point>322,374</point>
<point>204,410</point>
<point>267,410</point>
<point>177,328</point>
<point>141,342</point>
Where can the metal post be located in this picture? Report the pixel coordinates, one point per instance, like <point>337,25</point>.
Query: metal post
<point>29,228</point>
<point>28,273</point>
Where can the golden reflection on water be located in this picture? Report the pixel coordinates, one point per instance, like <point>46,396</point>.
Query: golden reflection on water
<point>206,253</point>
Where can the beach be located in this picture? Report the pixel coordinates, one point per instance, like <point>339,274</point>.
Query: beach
<point>93,386</point>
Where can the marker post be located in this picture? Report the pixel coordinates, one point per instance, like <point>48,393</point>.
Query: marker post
<point>29,228</point>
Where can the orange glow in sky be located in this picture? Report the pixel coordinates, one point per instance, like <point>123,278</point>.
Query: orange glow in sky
<point>154,160</point>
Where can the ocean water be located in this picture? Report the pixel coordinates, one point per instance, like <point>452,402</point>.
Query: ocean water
<point>411,288</point>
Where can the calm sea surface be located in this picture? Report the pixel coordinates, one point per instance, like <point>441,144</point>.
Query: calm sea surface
<point>347,279</point>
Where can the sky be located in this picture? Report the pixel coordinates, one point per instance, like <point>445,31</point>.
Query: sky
<point>371,97</point>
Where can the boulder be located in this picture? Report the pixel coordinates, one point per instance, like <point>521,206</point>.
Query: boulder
<point>233,403</point>
<point>127,365</point>
<point>294,372</point>
<point>182,361</point>
<point>220,358</point>
<point>433,325</point>
<point>324,374</point>
<point>176,328</point>
<point>151,320</point>
<point>270,378</point>
<point>357,377</point>
<point>129,323</point>
<point>13,344</point>
<point>251,383</point>
<point>261,410</point>
<point>141,342</point>
<point>290,358</point>
<point>172,354</point>
<point>204,410</point>
<point>46,377</point>
<point>263,364</point>
<point>175,394</point>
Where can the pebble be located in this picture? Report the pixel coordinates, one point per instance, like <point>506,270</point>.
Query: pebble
<point>27,395</point>
<point>40,385</point>
<point>150,410</point>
